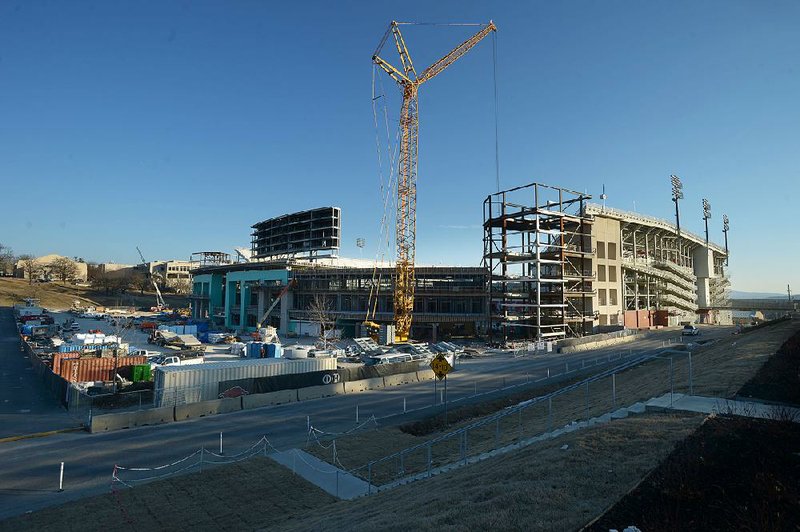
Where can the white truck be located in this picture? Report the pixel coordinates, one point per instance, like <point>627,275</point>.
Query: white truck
<point>144,353</point>
<point>174,360</point>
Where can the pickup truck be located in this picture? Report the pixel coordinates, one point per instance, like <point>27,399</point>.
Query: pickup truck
<point>145,353</point>
<point>173,360</point>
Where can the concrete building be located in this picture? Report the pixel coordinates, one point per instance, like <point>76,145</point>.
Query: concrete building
<point>45,269</point>
<point>113,269</point>
<point>560,266</point>
<point>174,274</point>
<point>450,301</point>
<point>648,275</point>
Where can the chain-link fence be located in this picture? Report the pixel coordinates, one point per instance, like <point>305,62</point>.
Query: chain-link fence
<point>596,396</point>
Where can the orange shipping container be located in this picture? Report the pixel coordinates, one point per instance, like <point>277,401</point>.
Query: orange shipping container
<point>95,369</point>
<point>58,357</point>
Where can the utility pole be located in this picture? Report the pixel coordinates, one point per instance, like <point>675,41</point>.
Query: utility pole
<point>725,228</point>
<point>677,194</point>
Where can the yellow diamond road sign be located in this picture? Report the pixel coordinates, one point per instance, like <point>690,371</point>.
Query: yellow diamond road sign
<point>440,366</point>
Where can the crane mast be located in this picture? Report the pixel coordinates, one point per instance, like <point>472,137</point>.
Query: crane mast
<point>160,304</point>
<point>406,216</point>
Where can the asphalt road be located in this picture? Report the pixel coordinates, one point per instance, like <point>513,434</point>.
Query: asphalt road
<point>25,405</point>
<point>29,469</point>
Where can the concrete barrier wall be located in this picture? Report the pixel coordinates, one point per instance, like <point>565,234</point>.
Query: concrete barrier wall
<point>106,422</point>
<point>363,385</point>
<point>425,375</point>
<point>207,408</point>
<point>400,378</point>
<point>598,344</point>
<point>153,416</point>
<point>315,392</point>
<point>267,399</point>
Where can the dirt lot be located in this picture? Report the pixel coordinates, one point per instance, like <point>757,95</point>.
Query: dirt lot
<point>732,474</point>
<point>57,295</point>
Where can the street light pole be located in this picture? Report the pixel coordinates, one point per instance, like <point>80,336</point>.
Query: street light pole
<point>677,194</point>
<point>706,216</point>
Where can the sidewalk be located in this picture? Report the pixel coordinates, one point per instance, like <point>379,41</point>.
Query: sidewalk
<point>338,483</point>
<point>716,405</point>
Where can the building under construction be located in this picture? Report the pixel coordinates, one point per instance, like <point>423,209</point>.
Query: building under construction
<point>560,266</point>
<point>538,250</point>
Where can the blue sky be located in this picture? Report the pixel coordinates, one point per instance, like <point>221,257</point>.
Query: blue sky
<point>175,126</point>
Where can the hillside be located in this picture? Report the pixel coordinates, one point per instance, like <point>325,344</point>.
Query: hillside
<point>57,295</point>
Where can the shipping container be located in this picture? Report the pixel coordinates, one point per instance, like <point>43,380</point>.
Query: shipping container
<point>190,384</point>
<point>96,369</point>
<point>58,357</point>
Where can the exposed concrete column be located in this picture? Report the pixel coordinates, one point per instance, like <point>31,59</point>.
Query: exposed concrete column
<point>243,305</point>
<point>261,298</point>
<point>286,302</point>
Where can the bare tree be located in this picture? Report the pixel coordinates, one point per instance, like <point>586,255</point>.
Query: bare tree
<point>321,312</point>
<point>6,260</point>
<point>140,282</point>
<point>64,269</point>
<point>181,286</point>
<point>30,267</point>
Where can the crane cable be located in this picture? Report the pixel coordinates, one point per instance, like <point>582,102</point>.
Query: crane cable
<point>386,191</point>
<point>496,113</point>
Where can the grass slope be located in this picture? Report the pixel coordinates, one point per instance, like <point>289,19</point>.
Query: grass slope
<point>59,296</point>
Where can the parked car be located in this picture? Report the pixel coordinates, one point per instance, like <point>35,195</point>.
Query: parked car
<point>690,330</point>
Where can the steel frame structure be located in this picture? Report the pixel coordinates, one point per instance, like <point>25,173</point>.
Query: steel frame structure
<point>538,251</point>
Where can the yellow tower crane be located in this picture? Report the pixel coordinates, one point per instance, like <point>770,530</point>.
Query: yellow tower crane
<point>409,82</point>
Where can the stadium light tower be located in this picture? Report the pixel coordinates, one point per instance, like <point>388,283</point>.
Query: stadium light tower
<point>706,216</point>
<point>677,194</point>
<point>725,228</point>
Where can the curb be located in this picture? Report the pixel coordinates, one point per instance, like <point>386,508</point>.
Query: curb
<point>39,434</point>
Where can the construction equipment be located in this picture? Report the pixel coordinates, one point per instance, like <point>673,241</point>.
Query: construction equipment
<point>266,334</point>
<point>160,304</point>
<point>405,229</point>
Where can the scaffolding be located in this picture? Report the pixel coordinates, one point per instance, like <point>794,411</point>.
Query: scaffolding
<point>538,252</point>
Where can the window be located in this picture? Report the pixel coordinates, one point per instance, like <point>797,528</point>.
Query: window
<point>601,250</point>
<point>601,273</point>
<point>613,296</point>
<point>612,274</point>
<point>612,251</point>
<point>601,297</point>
